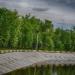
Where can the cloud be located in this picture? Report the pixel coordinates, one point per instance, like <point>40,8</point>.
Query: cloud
<point>40,9</point>
<point>57,10</point>
<point>23,4</point>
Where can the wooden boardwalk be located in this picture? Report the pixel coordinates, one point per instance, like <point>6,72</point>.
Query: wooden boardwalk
<point>16,60</point>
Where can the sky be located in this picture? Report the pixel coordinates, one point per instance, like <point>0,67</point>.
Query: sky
<point>55,10</point>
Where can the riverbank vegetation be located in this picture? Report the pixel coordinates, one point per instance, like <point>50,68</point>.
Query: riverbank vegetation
<point>28,32</point>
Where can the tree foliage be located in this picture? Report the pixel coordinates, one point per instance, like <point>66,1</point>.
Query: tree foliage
<point>28,32</point>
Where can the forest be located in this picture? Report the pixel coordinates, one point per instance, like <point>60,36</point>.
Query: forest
<point>28,32</point>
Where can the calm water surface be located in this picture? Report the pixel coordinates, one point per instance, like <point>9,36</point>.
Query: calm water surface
<point>45,70</point>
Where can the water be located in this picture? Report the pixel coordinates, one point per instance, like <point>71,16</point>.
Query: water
<point>45,70</point>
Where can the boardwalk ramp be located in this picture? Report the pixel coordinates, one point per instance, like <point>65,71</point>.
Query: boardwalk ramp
<point>16,60</point>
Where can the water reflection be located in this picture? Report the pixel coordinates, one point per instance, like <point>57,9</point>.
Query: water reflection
<point>46,70</point>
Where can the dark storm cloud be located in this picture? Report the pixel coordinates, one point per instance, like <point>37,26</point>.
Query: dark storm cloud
<point>66,3</point>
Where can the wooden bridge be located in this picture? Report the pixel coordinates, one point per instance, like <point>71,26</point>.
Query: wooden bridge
<point>16,60</point>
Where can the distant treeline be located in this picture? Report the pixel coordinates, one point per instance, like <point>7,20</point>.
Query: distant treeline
<point>28,32</point>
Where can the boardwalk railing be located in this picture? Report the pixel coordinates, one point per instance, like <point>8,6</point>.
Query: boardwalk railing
<point>22,50</point>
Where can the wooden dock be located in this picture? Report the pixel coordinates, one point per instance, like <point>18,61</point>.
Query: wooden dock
<point>16,60</point>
